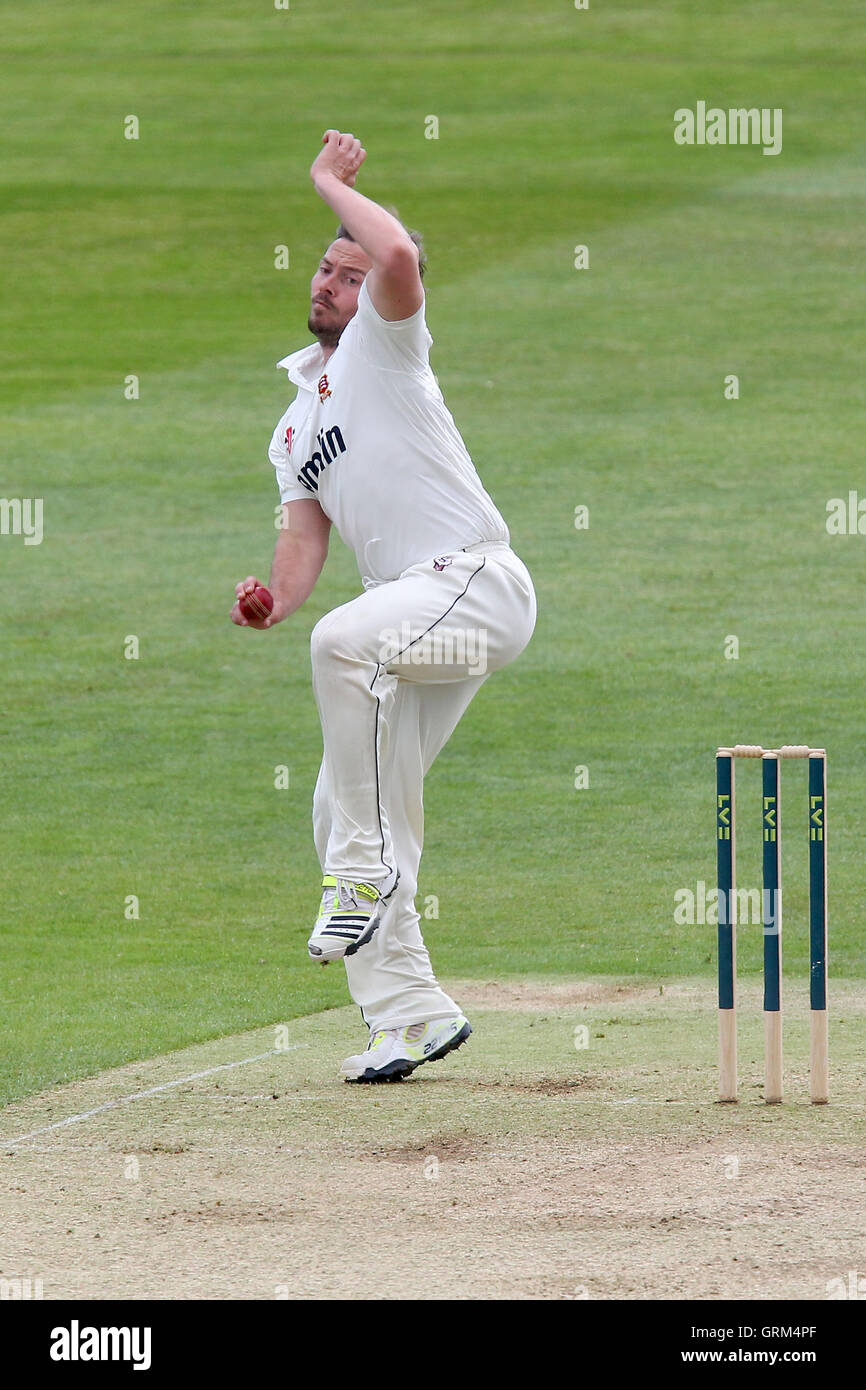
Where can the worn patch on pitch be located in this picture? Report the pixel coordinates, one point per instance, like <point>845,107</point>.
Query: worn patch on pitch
<point>541,996</point>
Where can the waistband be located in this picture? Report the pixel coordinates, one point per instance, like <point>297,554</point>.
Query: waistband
<point>485,547</point>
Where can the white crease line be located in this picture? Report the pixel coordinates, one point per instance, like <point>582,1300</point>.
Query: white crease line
<point>153,1091</point>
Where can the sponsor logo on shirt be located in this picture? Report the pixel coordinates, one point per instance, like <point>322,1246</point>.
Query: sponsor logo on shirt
<point>289,435</point>
<point>330,444</point>
<point>441,561</point>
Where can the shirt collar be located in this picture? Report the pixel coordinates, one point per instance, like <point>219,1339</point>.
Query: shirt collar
<point>304,366</point>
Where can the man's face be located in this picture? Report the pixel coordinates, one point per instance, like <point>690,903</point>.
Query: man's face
<point>334,290</point>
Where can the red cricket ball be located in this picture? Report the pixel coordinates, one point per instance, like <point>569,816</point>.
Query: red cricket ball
<point>258,605</point>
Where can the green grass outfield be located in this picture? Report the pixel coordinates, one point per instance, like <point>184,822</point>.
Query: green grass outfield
<point>601,387</point>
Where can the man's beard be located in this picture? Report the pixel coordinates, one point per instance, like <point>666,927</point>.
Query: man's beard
<point>327,334</point>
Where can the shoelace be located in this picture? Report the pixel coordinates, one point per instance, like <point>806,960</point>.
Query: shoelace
<point>346,895</point>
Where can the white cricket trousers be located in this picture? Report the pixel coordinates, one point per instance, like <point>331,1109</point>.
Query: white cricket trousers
<point>393,671</point>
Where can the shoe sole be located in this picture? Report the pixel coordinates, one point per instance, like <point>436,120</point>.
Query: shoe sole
<point>403,1067</point>
<point>369,931</point>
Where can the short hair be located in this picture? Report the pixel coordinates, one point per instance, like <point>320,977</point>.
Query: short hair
<point>343,234</point>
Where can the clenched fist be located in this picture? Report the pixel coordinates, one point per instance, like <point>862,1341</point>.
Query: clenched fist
<point>342,157</point>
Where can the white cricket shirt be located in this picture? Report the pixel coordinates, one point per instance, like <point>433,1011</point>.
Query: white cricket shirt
<point>370,437</point>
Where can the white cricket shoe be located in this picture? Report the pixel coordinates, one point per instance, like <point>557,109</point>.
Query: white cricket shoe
<point>348,916</point>
<point>393,1053</point>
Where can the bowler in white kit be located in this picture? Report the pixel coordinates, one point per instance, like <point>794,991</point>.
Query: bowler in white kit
<point>369,446</point>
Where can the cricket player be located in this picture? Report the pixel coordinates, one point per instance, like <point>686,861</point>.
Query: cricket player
<point>369,446</point>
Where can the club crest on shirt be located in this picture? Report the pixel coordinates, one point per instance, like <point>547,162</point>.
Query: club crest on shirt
<point>324,388</point>
<point>442,561</point>
<point>289,433</point>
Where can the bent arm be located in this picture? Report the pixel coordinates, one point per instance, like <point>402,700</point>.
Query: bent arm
<point>394,283</point>
<point>299,556</point>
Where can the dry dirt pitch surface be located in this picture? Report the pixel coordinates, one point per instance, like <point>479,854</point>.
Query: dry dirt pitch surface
<point>536,1168</point>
